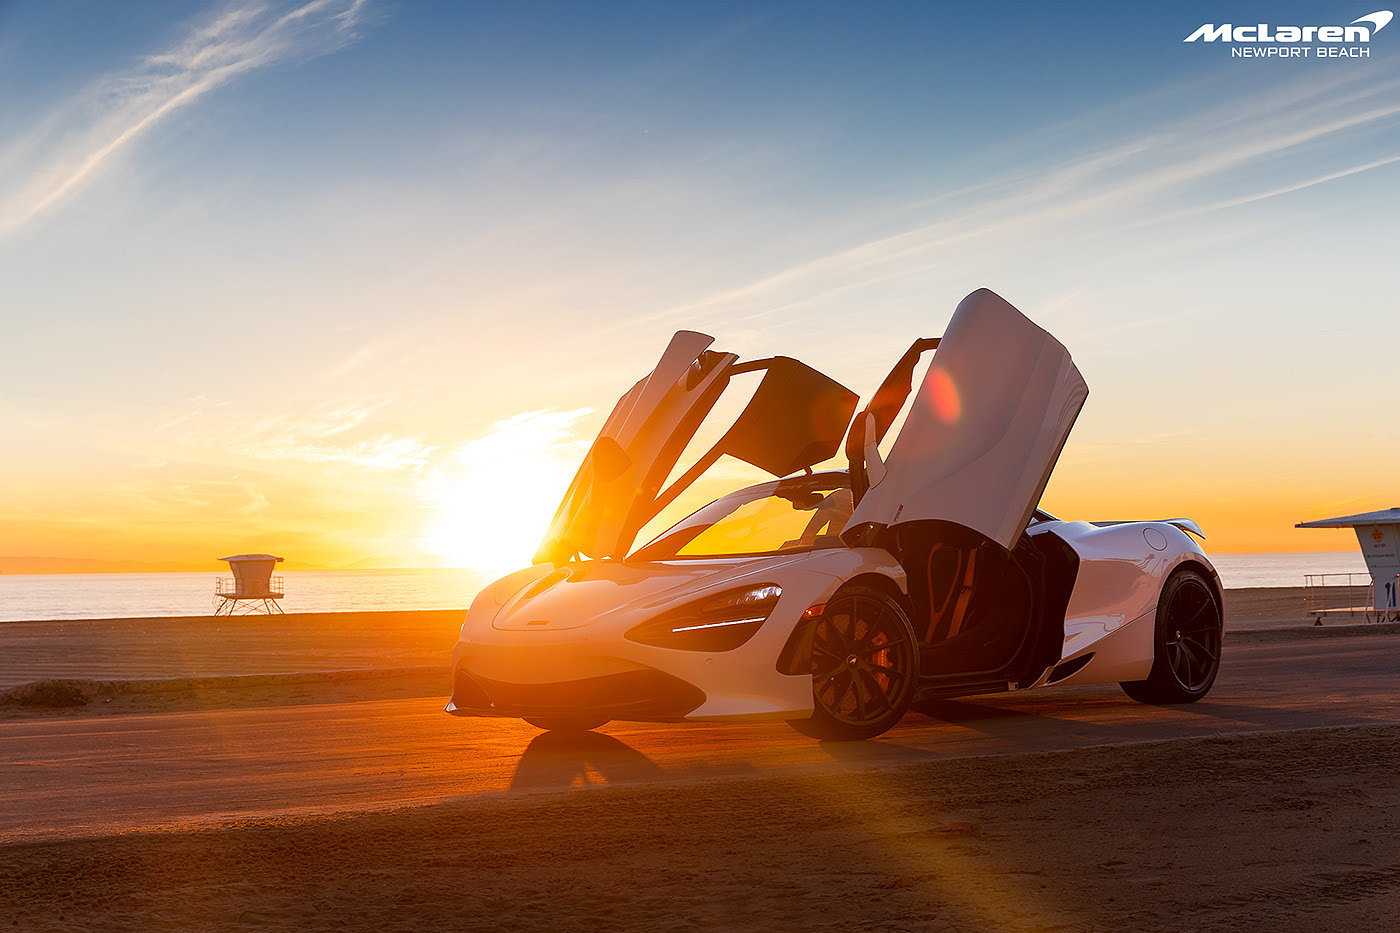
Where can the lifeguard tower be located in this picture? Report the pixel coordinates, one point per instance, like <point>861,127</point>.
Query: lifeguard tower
<point>251,589</point>
<point>1378,533</point>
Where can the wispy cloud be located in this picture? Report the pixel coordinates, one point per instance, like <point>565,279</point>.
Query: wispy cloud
<point>386,452</point>
<point>343,432</point>
<point>54,161</point>
<point>1267,146</point>
<point>1307,183</point>
<point>533,433</point>
<point>197,497</point>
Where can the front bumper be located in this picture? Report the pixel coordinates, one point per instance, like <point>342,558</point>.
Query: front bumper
<point>568,654</point>
<point>648,695</point>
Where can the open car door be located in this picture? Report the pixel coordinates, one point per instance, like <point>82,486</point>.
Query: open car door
<point>953,499</point>
<point>636,450</point>
<point>795,419</point>
<point>984,429</point>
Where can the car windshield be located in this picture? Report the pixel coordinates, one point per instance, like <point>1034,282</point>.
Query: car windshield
<point>773,518</point>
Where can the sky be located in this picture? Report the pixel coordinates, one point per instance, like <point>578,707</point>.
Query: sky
<point>353,280</point>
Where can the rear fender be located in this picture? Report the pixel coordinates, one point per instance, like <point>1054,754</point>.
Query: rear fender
<point>1123,567</point>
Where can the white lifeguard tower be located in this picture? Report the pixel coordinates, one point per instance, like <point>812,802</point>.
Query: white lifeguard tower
<point>1378,533</point>
<point>252,588</point>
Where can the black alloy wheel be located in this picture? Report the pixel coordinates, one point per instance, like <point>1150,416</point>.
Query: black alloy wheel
<point>1189,627</point>
<point>864,666</point>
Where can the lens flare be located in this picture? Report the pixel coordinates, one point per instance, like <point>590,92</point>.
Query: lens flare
<point>943,394</point>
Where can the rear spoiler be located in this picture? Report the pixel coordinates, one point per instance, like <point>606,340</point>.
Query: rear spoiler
<point>1185,524</point>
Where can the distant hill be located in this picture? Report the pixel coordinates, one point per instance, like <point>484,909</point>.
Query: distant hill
<point>95,565</point>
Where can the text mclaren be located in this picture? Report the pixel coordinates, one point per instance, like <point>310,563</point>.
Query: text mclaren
<point>1360,29</point>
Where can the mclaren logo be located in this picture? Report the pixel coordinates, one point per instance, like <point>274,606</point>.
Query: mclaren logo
<point>1265,40</point>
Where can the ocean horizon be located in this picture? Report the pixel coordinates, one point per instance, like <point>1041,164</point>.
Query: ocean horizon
<point>26,597</point>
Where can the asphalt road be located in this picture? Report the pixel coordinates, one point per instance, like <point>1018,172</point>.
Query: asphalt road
<point>85,775</point>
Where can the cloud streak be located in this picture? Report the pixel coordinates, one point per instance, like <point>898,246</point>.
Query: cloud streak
<point>341,433</point>
<point>1150,174</point>
<point>51,164</point>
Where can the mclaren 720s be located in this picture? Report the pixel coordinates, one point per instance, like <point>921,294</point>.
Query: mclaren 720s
<point>837,600</point>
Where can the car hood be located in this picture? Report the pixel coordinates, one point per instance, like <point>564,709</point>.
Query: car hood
<point>592,592</point>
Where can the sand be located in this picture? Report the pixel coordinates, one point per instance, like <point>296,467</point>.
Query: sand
<point>1281,831</point>
<point>208,646</point>
<point>1277,830</point>
<point>1280,607</point>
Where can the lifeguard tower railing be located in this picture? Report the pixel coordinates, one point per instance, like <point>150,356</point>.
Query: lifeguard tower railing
<point>228,586</point>
<point>229,600</point>
<point>1349,594</point>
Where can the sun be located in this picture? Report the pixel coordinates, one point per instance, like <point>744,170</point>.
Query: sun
<point>491,505</point>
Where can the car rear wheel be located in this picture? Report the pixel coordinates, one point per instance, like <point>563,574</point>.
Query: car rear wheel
<point>1188,637</point>
<point>567,723</point>
<point>864,666</point>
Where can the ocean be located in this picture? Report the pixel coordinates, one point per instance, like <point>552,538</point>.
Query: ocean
<point>133,595</point>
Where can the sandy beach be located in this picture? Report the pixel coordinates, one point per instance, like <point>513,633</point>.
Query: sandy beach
<point>1284,831</point>
<point>1288,825</point>
<point>209,646</point>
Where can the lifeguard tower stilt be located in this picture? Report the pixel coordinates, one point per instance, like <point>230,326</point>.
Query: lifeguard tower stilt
<point>252,589</point>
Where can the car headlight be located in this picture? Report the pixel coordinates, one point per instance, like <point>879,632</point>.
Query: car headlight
<point>721,622</point>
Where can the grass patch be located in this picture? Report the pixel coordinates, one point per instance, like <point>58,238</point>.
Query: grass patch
<point>50,694</point>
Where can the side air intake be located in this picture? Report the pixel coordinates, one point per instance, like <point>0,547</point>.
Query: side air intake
<point>1069,668</point>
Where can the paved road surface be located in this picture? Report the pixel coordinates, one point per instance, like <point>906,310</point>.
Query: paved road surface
<point>94,775</point>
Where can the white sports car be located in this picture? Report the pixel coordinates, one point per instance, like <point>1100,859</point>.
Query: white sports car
<point>838,600</point>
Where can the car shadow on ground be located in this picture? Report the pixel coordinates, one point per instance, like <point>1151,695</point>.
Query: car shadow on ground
<point>1278,717</point>
<point>567,759</point>
<point>876,751</point>
<point>559,760</point>
<point>1009,721</point>
<point>995,719</point>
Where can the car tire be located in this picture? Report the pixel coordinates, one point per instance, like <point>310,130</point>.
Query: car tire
<point>865,666</point>
<point>1187,643</point>
<point>567,723</point>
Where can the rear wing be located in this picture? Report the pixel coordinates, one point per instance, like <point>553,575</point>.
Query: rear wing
<point>1185,524</point>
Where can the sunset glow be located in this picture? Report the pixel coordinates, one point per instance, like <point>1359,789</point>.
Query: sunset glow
<point>756,465</point>
<point>491,504</point>
<point>265,292</point>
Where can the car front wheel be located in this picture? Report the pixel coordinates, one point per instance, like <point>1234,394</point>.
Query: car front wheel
<point>864,666</point>
<point>1188,636</point>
